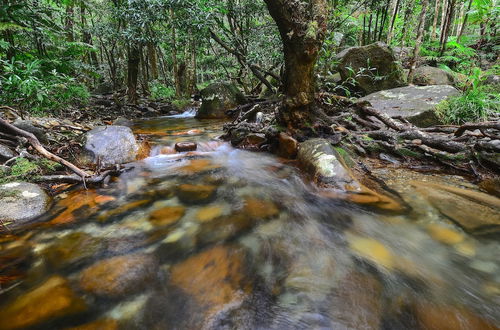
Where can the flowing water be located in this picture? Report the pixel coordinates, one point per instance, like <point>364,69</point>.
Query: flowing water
<point>222,238</point>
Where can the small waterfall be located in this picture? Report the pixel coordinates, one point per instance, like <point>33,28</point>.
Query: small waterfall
<point>189,113</point>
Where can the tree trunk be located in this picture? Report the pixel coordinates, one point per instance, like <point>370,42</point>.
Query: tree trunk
<point>134,60</point>
<point>435,20</point>
<point>70,13</point>
<point>447,25</point>
<point>175,63</point>
<point>153,60</point>
<point>464,23</point>
<point>302,28</point>
<point>418,43</point>
<point>393,21</point>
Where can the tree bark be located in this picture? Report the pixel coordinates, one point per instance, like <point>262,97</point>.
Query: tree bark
<point>435,20</point>
<point>134,60</point>
<point>153,61</point>
<point>393,20</point>
<point>418,43</point>
<point>302,26</point>
<point>464,23</point>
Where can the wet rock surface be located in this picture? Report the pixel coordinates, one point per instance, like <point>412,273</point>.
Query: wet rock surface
<point>375,67</point>
<point>417,104</point>
<point>119,276</point>
<point>54,299</point>
<point>110,145</point>
<point>22,202</point>
<point>196,194</point>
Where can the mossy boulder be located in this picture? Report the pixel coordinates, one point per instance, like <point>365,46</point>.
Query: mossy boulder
<point>373,68</point>
<point>110,145</point>
<point>428,75</point>
<point>217,99</point>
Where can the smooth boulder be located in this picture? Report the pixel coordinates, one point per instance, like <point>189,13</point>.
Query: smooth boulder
<point>110,145</point>
<point>6,152</point>
<point>217,99</point>
<point>428,75</point>
<point>374,67</point>
<point>417,104</point>
<point>22,202</point>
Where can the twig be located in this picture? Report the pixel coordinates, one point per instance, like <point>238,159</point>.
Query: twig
<point>490,124</point>
<point>38,146</point>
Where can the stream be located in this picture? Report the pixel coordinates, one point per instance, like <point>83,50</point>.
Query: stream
<point>222,238</point>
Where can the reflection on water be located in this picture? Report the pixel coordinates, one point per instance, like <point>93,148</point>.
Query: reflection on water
<point>227,239</point>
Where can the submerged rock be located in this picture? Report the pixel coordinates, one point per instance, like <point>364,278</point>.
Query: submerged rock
<point>195,194</point>
<point>417,104</point>
<point>439,317</point>
<point>22,202</point>
<point>110,145</point>
<point>213,278</point>
<point>52,300</point>
<point>428,75</point>
<point>103,324</point>
<point>167,216</point>
<point>476,212</point>
<point>373,67</point>
<point>119,276</point>
<point>72,250</point>
<point>287,146</point>
<point>217,99</point>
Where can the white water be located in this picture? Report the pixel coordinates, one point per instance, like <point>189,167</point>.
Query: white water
<point>189,113</point>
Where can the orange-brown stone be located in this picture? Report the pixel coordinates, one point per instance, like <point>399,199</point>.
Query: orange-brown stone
<point>103,324</point>
<point>52,300</point>
<point>190,193</point>
<point>209,213</point>
<point>196,166</point>
<point>212,278</point>
<point>119,276</point>
<point>259,209</point>
<point>167,216</point>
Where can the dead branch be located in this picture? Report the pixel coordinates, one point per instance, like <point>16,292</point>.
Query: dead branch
<point>32,139</point>
<point>75,178</point>
<point>467,127</point>
<point>366,108</point>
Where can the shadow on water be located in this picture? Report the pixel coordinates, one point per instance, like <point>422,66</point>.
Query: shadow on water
<point>227,239</point>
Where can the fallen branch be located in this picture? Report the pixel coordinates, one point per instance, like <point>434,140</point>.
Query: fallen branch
<point>366,108</point>
<point>467,127</point>
<point>74,178</point>
<point>32,139</point>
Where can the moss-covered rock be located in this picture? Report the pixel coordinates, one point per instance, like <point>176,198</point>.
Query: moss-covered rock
<point>217,99</point>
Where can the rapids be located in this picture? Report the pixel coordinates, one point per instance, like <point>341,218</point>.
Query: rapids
<point>223,238</point>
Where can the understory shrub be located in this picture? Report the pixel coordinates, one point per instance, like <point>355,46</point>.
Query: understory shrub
<point>476,104</point>
<point>161,91</point>
<point>30,87</point>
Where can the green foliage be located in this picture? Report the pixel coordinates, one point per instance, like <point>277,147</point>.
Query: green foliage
<point>475,104</point>
<point>27,170</point>
<point>160,91</point>
<point>181,104</point>
<point>31,87</point>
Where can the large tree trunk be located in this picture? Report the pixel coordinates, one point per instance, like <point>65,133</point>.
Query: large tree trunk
<point>435,19</point>
<point>302,27</point>
<point>134,60</point>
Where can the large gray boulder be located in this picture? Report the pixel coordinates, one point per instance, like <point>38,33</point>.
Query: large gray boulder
<point>428,75</point>
<point>21,203</point>
<point>373,67</point>
<point>217,99</point>
<point>417,104</point>
<point>109,145</point>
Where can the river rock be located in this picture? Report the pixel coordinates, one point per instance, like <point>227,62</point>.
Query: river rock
<point>213,278</point>
<point>72,250</point>
<point>440,317</point>
<point>428,75</point>
<point>194,194</point>
<point>102,324</point>
<point>417,104</point>
<point>373,67</point>
<point>22,202</point>
<point>287,146</point>
<point>476,212</point>
<point>185,146</point>
<point>6,152</point>
<point>52,300</point>
<point>119,276</point>
<point>357,302</point>
<point>110,145</point>
<point>217,99</point>
<point>28,126</point>
<point>167,216</point>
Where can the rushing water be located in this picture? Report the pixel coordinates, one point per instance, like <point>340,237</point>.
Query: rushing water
<point>228,239</point>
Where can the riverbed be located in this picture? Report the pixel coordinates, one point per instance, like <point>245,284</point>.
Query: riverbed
<point>221,238</point>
